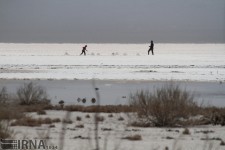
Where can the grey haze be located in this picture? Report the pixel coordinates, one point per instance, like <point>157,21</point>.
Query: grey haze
<point>112,21</point>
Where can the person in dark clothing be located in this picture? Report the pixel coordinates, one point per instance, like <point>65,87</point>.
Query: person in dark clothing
<point>151,47</point>
<point>84,50</point>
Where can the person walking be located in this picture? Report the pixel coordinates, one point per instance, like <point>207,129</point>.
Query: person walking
<point>84,50</point>
<point>151,48</point>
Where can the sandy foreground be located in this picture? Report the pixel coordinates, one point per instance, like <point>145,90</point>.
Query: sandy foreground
<point>112,131</point>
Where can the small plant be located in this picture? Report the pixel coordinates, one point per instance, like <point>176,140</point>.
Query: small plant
<point>120,118</point>
<point>186,131</point>
<point>80,126</point>
<point>222,143</point>
<point>169,138</point>
<point>135,137</point>
<point>87,116</point>
<point>78,118</point>
<point>51,126</point>
<point>32,122</point>
<point>41,112</point>
<point>56,120</point>
<point>99,118</point>
<point>68,121</point>
<point>106,129</point>
<point>110,115</point>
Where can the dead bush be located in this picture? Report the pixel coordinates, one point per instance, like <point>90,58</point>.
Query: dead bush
<point>3,95</point>
<point>165,106</point>
<point>80,126</point>
<point>78,118</point>
<point>120,119</point>
<point>186,131</point>
<point>99,118</point>
<point>32,122</point>
<point>110,115</point>
<point>222,143</point>
<point>51,126</point>
<point>87,116</point>
<point>68,121</point>
<point>135,137</point>
<point>41,112</point>
<point>56,120</point>
<point>26,121</point>
<point>30,93</point>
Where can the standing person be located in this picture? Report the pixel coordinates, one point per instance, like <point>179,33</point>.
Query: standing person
<point>151,47</point>
<point>83,50</point>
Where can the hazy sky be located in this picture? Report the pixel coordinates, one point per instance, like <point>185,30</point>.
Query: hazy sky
<point>123,21</point>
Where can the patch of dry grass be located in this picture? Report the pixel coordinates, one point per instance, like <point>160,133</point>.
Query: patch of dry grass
<point>186,131</point>
<point>31,122</point>
<point>41,112</point>
<point>79,126</point>
<point>136,137</point>
<point>101,108</point>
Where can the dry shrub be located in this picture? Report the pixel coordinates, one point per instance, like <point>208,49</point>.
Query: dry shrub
<point>87,116</point>
<point>81,137</point>
<point>74,108</point>
<point>120,119</point>
<point>222,143</point>
<point>186,131</point>
<point>135,137</point>
<point>110,115</point>
<point>99,118</point>
<point>169,138</point>
<point>106,129</point>
<point>104,109</point>
<point>215,115</point>
<point>41,112</point>
<point>80,126</point>
<point>78,118</point>
<point>26,121</point>
<point>30,93</point>
<point>68,121</point>
<point>165,106</point>
<point>56,120</point>
<point>51,126</point>
<point>31,122</point>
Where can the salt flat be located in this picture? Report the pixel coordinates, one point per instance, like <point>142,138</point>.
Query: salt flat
<point>195,62</point>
